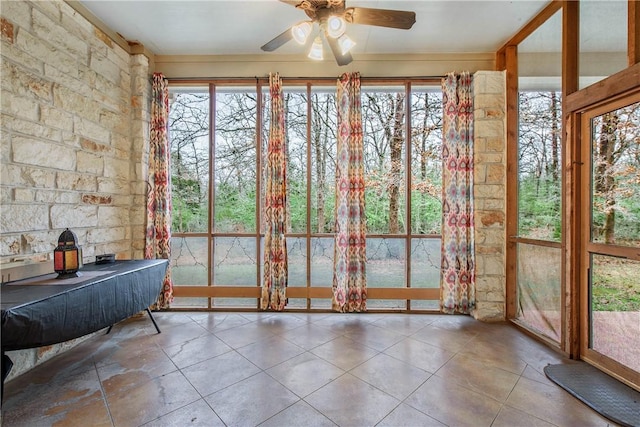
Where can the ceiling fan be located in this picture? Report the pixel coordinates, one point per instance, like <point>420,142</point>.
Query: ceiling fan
<point>332,17</point>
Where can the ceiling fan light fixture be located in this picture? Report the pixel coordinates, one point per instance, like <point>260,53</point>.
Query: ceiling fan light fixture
<point>316,49</point>
<point>346,44</point>
<point>301,31</point>
<point>336,26</point>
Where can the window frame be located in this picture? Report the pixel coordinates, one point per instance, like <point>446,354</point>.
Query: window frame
<point>212,290</point>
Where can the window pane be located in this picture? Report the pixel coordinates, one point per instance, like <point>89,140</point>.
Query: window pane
<point>615,315</point>
<point>235,302</point>
<point>615,203</point>
<point>426,160</point>
<point>386,263</point>
<point>321,304</point>
<point>432,305</point>
<point>603,40</point>
<point>323,165</point>
<point>235,160</point>
<point>539,127</point>
<point>296,128</point>
<point>383,123</point>
<point>540,57</point>
<point>235,261</point>
<point>189,267</point>
<point>189,140</point>
<point>425,270</point>
<point>266,124</point>
<point>297,260</point>
<point>539,165</point>
<point>322,261</point>
<point>538,289</point>
<point>425,263</point>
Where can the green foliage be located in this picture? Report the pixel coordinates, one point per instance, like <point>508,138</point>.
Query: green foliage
<point>615,285</point>
<point>426,213</point>
<point>298,206</point>
<point>539,209</point>
<point>235,211</point>
<point>627,219</point>
<point>619,297</point>
<point>189,205</point>
<point>188,218</point>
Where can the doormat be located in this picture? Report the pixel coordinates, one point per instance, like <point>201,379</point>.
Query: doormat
<point>601,392</point>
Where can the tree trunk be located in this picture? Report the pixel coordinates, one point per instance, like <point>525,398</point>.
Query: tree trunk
<point>555,136</point>
<point>420,196</point>
<point>396,164</point>
<point>321,160</point>
<point>287,226</point>
<point>604,181</point>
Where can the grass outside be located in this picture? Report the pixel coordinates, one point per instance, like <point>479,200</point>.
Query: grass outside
<point>616,284</point>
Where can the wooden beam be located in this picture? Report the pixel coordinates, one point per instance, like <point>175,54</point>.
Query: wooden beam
<point>571,234</point>
<point>569,330</point>
<point>615,85</point>
<point>404,293</point>
<point>570,47</point>
<point>530,27</point>
<point>303,292</point>
<point>115,37</point>
<point>217,291</point>
<point>511,55</point>
<point>501,61</point>
<point>633,48</point>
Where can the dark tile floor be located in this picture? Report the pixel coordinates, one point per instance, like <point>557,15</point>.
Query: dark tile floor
<point>298,369</point>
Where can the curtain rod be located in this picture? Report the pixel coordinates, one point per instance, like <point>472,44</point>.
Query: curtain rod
<point>266,78</point>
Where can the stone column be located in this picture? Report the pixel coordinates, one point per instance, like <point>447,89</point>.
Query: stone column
<point>490,194</point>
<point>140,119</point>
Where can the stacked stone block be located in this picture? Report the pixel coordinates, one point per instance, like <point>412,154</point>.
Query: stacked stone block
<point>74,134</point>
<point>490,171</point>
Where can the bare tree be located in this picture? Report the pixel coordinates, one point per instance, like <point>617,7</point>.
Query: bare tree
<point>395,176</point>
<point>616,167</point>
<point>383,122</point>
<point>323,138</point>
<point>539,185</point>
<point>604,175</point>
<point>426,163</point>
<point>188,136</point>
<point>555,136</point>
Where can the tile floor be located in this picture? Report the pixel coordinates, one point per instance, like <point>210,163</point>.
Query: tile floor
<point>298,369</point>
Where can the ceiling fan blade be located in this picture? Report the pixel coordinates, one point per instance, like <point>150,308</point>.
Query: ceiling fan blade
<point>340,58</point>
<point>277,41</point>
<point>380,17</point>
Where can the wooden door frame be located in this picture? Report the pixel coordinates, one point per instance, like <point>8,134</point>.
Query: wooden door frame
<point>611,93</point>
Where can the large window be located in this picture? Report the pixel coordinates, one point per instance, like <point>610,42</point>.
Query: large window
<point>219,135</point>
<point>538,234</point>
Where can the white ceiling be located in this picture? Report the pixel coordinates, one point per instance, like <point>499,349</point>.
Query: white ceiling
<point>224,27</point>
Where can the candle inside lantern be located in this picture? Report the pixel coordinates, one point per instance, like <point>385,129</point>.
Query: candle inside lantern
<point>66,256</point>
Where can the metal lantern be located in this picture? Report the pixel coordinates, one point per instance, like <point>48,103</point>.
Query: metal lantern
<point>66,256</point>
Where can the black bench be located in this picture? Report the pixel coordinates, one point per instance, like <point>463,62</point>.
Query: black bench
<point>43,310</point>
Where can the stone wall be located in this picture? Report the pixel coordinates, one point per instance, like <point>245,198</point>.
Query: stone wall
<point>490,171</point>
<point>74,134</point>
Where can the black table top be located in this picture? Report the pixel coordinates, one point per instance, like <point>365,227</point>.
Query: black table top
<point>28,291</point>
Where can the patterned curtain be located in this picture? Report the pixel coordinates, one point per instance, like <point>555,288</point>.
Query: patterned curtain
<point>158,233</point>
<point>350,253</point>
<point>274,295</point>
<point>457,287</point>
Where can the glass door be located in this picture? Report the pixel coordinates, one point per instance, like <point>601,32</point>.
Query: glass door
<point>610,274</point>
